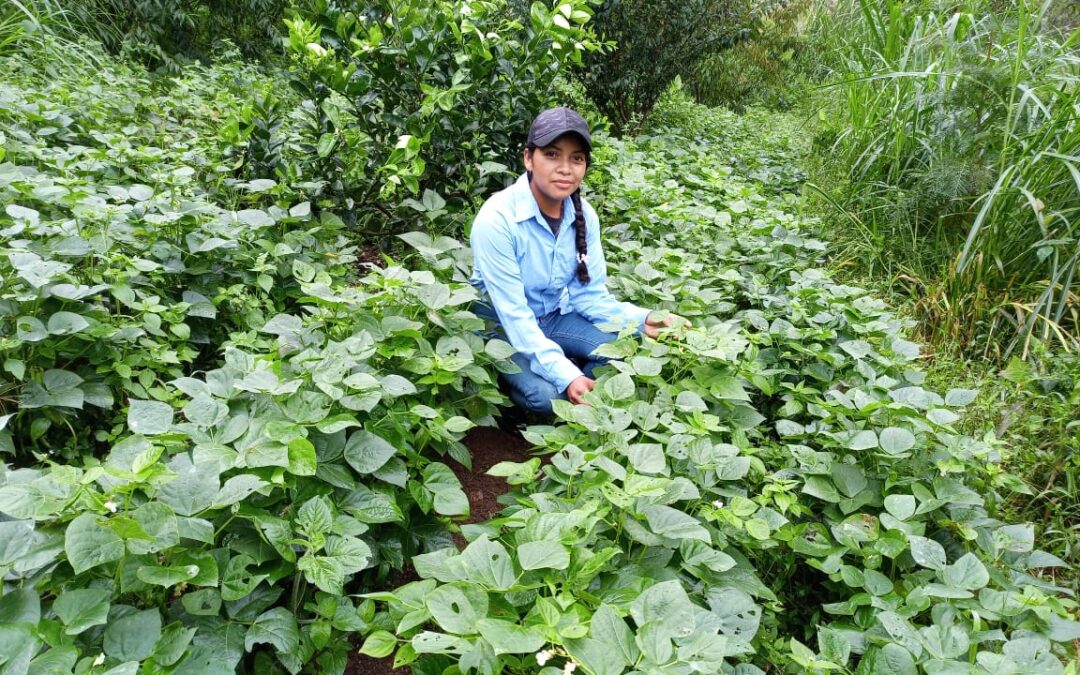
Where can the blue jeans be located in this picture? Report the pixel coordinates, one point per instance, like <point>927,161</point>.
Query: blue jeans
<point>577,336</point>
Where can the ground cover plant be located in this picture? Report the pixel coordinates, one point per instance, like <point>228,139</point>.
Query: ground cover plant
<point>223,440</point>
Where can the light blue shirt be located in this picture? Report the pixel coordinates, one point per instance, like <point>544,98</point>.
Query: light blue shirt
<point>527,273</point>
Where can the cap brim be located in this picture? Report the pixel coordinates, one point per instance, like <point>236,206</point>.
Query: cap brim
<point>547,139</point>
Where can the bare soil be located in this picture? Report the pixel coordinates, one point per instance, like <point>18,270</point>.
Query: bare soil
<point>488,447</point>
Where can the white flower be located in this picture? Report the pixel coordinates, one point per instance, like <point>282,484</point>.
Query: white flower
<point>99,660</point>
<point>718,504</point>
<point>110,505</point>
<point>569,668</point>
<point>543,656</point>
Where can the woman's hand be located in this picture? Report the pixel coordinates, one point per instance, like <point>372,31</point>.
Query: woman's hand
<point>578,388</point>
<point>653,325</point>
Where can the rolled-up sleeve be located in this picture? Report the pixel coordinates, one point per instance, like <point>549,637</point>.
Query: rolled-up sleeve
<point>593,300</point>
<point>493,250</point>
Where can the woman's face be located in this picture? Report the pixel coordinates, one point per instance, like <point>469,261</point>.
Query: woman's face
<point>557,169</point>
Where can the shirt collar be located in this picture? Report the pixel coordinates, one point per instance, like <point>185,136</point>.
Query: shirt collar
<point>525,205</point>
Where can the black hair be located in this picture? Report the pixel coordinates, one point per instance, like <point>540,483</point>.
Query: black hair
<point>580,232</point>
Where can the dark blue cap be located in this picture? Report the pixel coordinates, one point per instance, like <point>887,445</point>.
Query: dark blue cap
<point>555,122</point>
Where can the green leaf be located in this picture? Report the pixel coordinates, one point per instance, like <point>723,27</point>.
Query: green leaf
<point>315,518</point>
<point>822,488</point>
<point>149,418</point>
<point>440,480</point>
<point>901,507</point>
<point>30,329</point>
<point>895,440</point>
<point>833,645</point>
<point>66,323</point>
<point>302,459</point>
<point>849,478</point>
<point>89,544</point>
<point>487,563</point>
<point>365,452</point>
<point>968,573</point>
<point>132,637</point>
<point>610,628</point>
<point>510,638</point>
<point>543,555</point>
<point>620,387</point>
<point>958,398</point>
<point>927,552</point>
<point>203,602</point>
<point>675,524</point>
<point>863,440</point>
<point>457,607</point>
<point>647,457</point>
<point>276,627</point>
<point>379,644</point>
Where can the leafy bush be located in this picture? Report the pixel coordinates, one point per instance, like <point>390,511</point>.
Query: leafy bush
<point>427,100</point>
<point>161,31</point>
<point>770,67</point>
<point>951,130</point>
<point>656,41</point>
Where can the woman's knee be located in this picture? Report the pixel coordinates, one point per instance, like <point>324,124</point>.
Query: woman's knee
<point>537,398</point>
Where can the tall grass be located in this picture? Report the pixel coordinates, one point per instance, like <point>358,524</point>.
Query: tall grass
<point>954,133</point>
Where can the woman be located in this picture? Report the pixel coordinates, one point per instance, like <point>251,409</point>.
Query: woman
<point>538,262</point>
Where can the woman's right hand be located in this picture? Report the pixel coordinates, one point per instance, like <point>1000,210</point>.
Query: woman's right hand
<point>578,388</point>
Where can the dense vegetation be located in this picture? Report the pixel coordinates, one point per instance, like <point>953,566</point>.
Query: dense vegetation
<point>231,398</point>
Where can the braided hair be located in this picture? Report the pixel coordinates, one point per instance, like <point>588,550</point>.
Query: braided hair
<point>579,238</point>
<point>580,230</point>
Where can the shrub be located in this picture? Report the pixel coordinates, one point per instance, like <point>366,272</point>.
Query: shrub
<point>426,100</point>
<point>655,41</point>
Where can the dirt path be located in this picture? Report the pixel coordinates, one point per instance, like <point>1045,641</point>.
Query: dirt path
<point>488,447</point>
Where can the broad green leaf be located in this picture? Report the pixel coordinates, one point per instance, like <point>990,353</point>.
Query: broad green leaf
<point>167,576</point>
<point>667,606</point>
<point>66,323</point>
<point>927,552</point>
<point>543,555</point>
<point>895,440</point>
<point>314,517</point>
<point>149,418</point>
<point>675,524</point>
<point>958,398</point>
<point>203,602</point>
<point>967,573</point>
<point>833,645</point>
<point>863,440</point>
<point>132,636</point>
<point>365,452</point>
<point>379,644</point>
<point>510,638</point>
<point>610,628</point>
<point>276,627</point>
<point>89,544</point>
<point>302,459</point>
<point>487,563</point>
<point>457,607</point>
<point>901,507</point>
<point>20,606</point>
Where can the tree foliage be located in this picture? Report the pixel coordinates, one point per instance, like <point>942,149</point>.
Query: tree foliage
<point>415,99</point>
<point>655,41</point>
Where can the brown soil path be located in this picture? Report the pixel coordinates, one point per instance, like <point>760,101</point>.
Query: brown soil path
<point>488,447</point>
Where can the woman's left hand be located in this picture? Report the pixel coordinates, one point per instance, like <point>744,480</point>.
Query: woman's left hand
<point>653,325</point>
